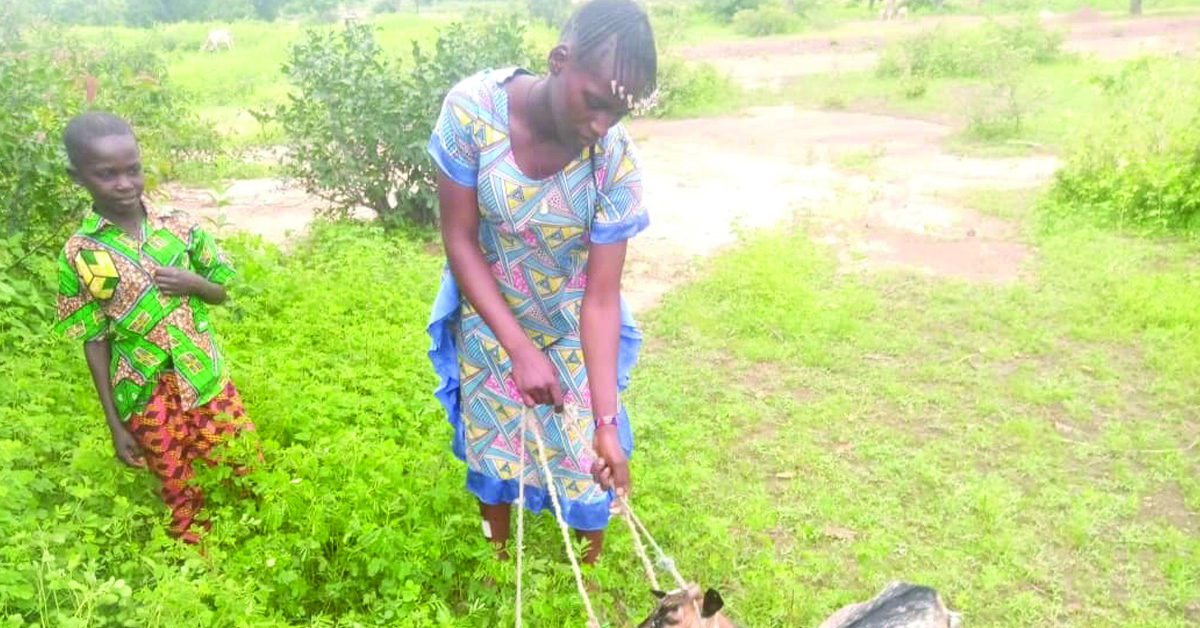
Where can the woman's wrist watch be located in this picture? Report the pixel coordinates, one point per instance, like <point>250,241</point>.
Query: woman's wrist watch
<point>606,420</point>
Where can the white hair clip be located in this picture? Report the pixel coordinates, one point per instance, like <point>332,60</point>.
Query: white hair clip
<point>645,105</point>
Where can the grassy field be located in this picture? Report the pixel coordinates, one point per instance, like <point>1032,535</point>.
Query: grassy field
<point>1023,448</point>
<point>1056,102</point>
<point>803,435</point>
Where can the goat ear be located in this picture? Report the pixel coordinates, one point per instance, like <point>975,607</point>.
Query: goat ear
<point>712,603</point>
<point>658,594</point>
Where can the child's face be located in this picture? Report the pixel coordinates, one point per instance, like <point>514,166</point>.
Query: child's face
<point>111,170</point>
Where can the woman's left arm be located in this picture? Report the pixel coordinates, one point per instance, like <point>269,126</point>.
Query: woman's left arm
<point>600,321</point>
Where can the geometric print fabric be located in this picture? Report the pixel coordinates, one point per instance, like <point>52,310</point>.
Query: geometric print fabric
<point>106,290</point>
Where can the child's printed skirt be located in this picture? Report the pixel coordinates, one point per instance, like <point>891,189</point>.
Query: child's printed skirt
<point>173,438</point>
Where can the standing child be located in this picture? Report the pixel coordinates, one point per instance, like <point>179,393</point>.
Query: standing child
<point>539,190</point>
<point>133,286</point>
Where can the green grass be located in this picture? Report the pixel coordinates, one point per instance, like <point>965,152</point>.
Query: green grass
<point>1020,447</point>
<point>1058,101</point>
<point>803,437</point>
<point>861,161</point>
<point>1009,204</point>
<point>223,169</point>
<point>251,74</point>
<point>1114,8</point>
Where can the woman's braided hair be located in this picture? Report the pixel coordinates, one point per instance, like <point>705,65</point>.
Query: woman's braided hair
<point>624,28</point>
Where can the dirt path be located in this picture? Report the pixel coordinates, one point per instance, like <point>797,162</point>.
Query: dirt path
<point>706,178</point>
<point>272,208</point>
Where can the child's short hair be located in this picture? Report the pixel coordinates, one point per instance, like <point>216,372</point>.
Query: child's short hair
<point>88,126</point>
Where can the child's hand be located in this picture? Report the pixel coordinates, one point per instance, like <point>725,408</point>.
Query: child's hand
<point>177,282</point>
<point>128,450</point>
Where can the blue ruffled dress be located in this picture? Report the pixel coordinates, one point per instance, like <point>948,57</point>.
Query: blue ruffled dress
<point>534,234</point>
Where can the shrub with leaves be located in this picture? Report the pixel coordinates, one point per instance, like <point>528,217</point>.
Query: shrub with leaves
<point>386,6</point>
<point>971,52</point>
<point>687,88</point>
<point>552,13</point>
<point>726,9</point>
<point>770,19</point>
<point>358,122</point>
<point>1139,166</point>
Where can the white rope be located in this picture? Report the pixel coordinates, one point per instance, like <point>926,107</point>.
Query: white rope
<point>639,547</point>
<point>665,561</point>
<point>635,524</point>
<point>636,527</point>
<point>548,483</point>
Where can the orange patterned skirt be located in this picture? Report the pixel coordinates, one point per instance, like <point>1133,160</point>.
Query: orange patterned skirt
<point>172,438</point>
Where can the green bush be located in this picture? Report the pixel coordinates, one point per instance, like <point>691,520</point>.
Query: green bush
<point>358,123</point>
<point>1138,167</point>
<point>999,112</point>
<point>686,88</point>
<point>553,13</point>
<point>148,12</point>
<point>972,52</point>
<point>386,6</point>
<point>726,9</point>
<point>766,20</point>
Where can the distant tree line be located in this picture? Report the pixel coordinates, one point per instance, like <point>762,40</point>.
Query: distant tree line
<point>146,12</point>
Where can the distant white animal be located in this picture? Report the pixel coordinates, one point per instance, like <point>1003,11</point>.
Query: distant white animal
<point>1045,15</point>
<point>893,11</point>
<point>217,37</point>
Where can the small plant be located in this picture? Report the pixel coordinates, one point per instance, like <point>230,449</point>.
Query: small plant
<point>862,161</point>
<point>687,88</point>
<point>998,112</point>
<point>970,53</point>
<point>994,118</point>
<point>766,20</point>
<point>726,9</point>
<point>552,13</point>
<point>1139,167</point>
<point>218,193</point>
<point>833,102</point>
<point>913,87</point>
<point>386,6</point>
